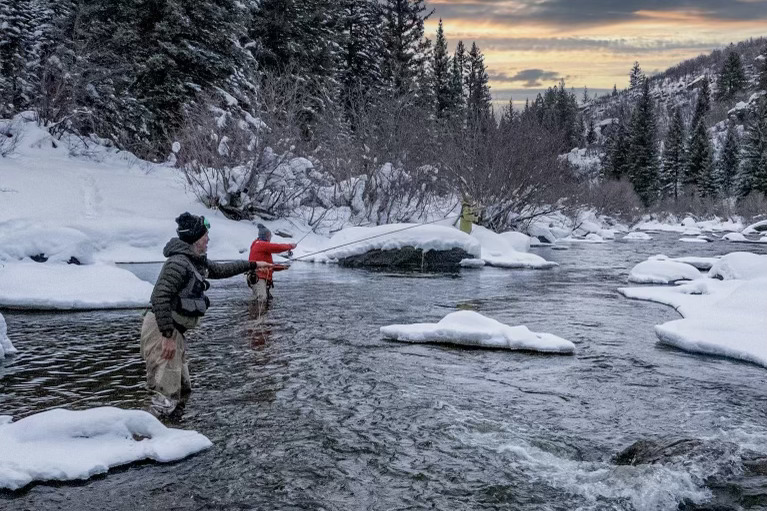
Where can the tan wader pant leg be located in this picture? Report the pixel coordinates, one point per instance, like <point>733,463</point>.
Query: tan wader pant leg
<point>169,379</point>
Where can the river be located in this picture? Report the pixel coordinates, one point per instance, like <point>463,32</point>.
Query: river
<point>309,407</point>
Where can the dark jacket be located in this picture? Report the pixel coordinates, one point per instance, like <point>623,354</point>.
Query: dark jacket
<point>175,274</point>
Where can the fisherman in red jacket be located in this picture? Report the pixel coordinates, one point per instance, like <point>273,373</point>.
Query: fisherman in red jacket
<point>260,281</point>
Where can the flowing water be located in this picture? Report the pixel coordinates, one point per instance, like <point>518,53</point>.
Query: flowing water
<point>310,408</point>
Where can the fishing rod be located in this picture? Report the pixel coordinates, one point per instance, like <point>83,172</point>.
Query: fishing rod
<point>382,234</point>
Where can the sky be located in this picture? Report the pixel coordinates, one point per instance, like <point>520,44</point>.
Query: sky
<point>530,45</point>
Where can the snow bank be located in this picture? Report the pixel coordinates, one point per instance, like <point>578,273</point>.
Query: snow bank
<point>6,347</point>
<point>637,236</point>
<point>739,265</point>
<point>67,445</point>
<point>590,238</point>
<point>49,286</point>
<point>701,263</point>
<point>688,226</point>
<point>756,228</point>
<point>697,239</point>
<point>662,272</point>
<point>734,236</point>
<point>518,241</point>
<point>497,251</point>
<point>720,317</point>
<point>354,241</point>
<point>468,328</point>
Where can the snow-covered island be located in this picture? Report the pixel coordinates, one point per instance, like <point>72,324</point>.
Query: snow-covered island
<point>469,328</point>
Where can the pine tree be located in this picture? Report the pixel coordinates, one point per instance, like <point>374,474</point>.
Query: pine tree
<point>615,90</point>
<point>616,164</point>
<point>642,155</point>
<point>636,77</point>
<point>703,103</point>
<point>729,163</point>
<point>700,164</point>
<point>674,159</point>
<point>762,79</point>
<point>359,67</point>
<point>478,103</point>
<point>457,98</point>
<point>753,176</point>
<point>442,74</point>
<point>17,79</point>
<point>732,78</point>
<point>585,95</point>
<point>591,132</point>
<point>405,50</point>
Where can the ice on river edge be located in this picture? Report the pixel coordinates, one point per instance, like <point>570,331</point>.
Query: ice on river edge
<point>720,317</point>
<point>469,328</point>
<point>65,445</point>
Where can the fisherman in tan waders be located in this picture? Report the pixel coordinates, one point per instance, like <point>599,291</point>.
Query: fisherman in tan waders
<point>467,216</point>
<point>178,302</point>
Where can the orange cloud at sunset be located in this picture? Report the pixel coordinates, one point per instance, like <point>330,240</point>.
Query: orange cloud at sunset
<point>592,43</point>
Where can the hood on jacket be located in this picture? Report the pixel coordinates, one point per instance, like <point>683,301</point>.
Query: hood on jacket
<point>177,247</point>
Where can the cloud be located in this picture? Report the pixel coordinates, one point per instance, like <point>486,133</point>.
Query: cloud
<point>632,45</point>
<point>531,77</point>
<point>596,12</point>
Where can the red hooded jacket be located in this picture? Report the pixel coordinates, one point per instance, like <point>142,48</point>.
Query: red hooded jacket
<point>262,251</point>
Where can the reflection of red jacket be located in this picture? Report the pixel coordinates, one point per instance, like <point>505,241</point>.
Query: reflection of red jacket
<point>262,251</point>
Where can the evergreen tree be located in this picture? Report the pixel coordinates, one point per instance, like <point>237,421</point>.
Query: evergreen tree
<point>615,90</point>
<point>762,79</point>
<point>565,110</point>
<point>754,153</point>
<point>405,50</point>
<point>642,155</point>
<point>674,157</point>
<point>457,99</point>
<point>700,165</point>
<point>585,98</point>
<point>703,103</point>
<point>359,73</point>
<point>732,78</point>
<point>636,77</point>
<point>478,102</point>
<point>18,25</point>
<point>591,132</point>
<point>442,74</point>
<point>729,163</point>
<point>616,164</point>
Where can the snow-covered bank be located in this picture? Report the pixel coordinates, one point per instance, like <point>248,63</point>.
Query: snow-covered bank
<point>720,317</point>
<point>468,328</point>
<point>6,346</point>
<point>59,286</point>
<point>66,445</point>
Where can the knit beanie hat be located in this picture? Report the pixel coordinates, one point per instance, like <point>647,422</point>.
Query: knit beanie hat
<point>191,227</point>
<point>263,233</point>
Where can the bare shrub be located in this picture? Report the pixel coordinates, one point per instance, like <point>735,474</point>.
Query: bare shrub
<point>752,207</point>
<point>10,136</point>
<point>379,154</point>
<point>611,197</point>
<point>515,175</point>
<point>243,162</point>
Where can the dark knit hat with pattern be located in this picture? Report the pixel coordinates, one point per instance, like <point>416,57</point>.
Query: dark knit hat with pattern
<point>190,227</point>
<point>263,233</point>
